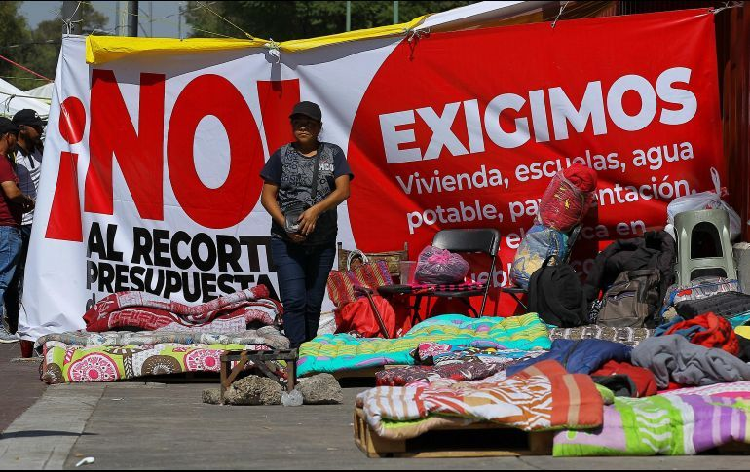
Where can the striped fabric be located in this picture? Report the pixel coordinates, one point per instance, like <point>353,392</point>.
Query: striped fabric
<point>341,284</point>
<point>542,397</point>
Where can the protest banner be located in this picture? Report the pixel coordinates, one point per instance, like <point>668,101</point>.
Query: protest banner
<point>150,178</point>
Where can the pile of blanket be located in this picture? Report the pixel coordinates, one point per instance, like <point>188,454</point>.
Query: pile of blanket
<point>341,352</point>
<point>136,334</point>
<point>141,310</point>
<point>680,389</point>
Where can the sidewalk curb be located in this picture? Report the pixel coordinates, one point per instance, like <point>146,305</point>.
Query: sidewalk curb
<point>33,441</point>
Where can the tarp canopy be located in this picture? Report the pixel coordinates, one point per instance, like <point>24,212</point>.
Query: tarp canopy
<point>13,99</point>
<point>44,92</point>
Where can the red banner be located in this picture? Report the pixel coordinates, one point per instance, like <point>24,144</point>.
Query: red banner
<point>465,129</point>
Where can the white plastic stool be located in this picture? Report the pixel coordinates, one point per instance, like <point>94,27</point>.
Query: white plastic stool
<point>685,224</point>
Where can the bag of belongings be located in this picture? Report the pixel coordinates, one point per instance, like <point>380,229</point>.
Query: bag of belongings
<point>440,266</point>
<point>555,293</point>
<point>537,245</point>
<point>655,250</point>
<point>631,300</point>
<point>709,200</point>
<point>568,197</point>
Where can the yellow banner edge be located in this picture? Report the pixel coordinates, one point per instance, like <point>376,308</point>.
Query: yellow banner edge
<point>102,49</point>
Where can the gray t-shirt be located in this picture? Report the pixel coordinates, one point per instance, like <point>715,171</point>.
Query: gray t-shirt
<point>29,170</point>
<point>293,173</point>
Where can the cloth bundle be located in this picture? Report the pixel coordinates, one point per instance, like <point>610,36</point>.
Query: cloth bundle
<point>706,330</point>
<point>673,358</point>
<point>568,197</point>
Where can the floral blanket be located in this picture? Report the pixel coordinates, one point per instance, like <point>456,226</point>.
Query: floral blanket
<point>340,352</point>
<point>541,397</point>
<point>688,421</point>
<point>111,363</point>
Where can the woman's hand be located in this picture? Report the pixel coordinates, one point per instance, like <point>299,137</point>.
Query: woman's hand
<point>307,221</point>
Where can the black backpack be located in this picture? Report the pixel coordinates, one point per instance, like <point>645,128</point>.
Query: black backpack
<point>556,294</point>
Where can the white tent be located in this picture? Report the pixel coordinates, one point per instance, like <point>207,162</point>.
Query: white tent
<point>44,92</point>
<point>13,99</point>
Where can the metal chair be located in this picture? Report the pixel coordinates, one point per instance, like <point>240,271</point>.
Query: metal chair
<point>485,241</point>
<point>518,292</point>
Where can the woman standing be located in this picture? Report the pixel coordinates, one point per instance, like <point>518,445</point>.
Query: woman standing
<point>304,182</point>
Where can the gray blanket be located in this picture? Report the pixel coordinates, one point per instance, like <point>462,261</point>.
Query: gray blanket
<point>267,335</point>
<point>675,358</point>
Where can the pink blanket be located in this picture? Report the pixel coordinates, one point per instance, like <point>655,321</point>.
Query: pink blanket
<point>150,312</point>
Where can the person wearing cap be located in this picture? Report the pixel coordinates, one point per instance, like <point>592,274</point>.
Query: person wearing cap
<point>303,211</point>
<point>28,159</point>
<point>12,204</point>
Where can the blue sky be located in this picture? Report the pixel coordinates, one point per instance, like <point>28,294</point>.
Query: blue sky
<point>163,27</point>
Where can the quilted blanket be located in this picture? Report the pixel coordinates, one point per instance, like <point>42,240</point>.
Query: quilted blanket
<point>340,352</point>
<point>268,335</point>
<point>145,311</point>
<point>442,354</point>
<point>541,397</point>
<point>627,336</point>
<point>465,371</point>
<point>64,363</point>
<point>689,422</point>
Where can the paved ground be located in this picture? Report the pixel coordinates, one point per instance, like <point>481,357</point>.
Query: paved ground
<point>137,425</point>
<point>19,384</point>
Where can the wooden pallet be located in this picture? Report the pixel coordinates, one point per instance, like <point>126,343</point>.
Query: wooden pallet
<point>474,440</point>
<point>366,373</point>
<point>734,448</point>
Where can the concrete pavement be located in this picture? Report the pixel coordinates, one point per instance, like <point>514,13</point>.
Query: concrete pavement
<point>139,425</point>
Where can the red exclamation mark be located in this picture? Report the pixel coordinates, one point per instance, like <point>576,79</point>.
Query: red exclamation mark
<point>277,98</point>
<point>65,218</point>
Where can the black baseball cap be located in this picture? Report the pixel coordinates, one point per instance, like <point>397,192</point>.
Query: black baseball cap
<point>27,117</point>
<point>7,126</point>
<point>309,109</point>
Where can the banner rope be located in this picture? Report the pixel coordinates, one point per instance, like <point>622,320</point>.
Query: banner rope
<point>274,49</point>
<point>416,33</point>
<point>25,68</point>
<point>726,6</point>
<point>248,35</point>
<point>165,19</point>
<point>562,9</point>
<point>13,77</point>
<point>68,22</point>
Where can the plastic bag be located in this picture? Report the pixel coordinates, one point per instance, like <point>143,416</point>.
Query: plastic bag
<point>564,204</point>
<point>440,266</point>
<point>709,200</point>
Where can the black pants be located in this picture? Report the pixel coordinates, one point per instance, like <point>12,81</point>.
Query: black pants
<point>302,272</point>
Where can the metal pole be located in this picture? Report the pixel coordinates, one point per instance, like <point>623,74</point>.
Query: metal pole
<point>348,15</point>
<point>395,12</point>
<point>151,19</point>
<point>179,20</point>
<point>123,7</point>
<point>133,18</point>
<point>71,12</point>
